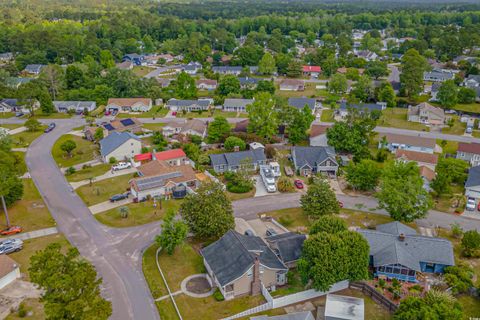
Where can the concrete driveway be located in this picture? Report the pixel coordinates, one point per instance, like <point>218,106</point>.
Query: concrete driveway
<point>260,190</point>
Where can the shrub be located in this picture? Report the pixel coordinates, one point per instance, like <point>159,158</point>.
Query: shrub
<point>70,171</point>
<point>284,184</point>
<point>238,182</point>
<point>112,160</point>
<point>86,166</point>
<point>471,243</point>
<point>124,211</point>
<point>22,311</point>
<point>457,231</point>
<point>218,295</point>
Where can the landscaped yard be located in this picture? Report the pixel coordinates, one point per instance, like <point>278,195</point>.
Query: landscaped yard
<point>156,111</point>
<point>85,151</point>
<point>102,190</point>
<point>142,70</point>
<point>30,212</point>
<point>139,213</point>
<point>23,139</point>
<point>10,126</point>
<point>457,128</point>
<point>309,92</point>
<point>237,196</point>
<point>397,118</point>
<point>55,115</point>
<point>87,173</point>
<point>327,115</point>
<point>153,126</point>
<point>471,107</point>
<point>450,146</point>
<point>5,115</point>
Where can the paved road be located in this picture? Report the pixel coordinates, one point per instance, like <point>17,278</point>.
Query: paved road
<point>116,254</point>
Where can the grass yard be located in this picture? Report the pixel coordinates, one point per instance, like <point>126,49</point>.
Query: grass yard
<point>10,126</point>
<point>31,305</point>
<point>237,196</point>
<point>458,127</point>
<point>85,151</point>
<point>470,107</point>
<point>397,118</point>
<point>85,174</point>
<point>327,115</point>
<point>25,138</point>
<point>30,212</point>
<point>102,190</point>
<point>142,70</point>
<point>55,115</point>
<point>309,92</point>
<point>229,114</point>
<point>139,213</point>
<point>6,115</point>
<point>153,126</point>
<point>476,133</point>
<point>450,146</point>
<point>156,111</point>
<point>470,306</point>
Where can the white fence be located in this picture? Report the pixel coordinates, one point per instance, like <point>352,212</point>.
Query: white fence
<point>273,303</point>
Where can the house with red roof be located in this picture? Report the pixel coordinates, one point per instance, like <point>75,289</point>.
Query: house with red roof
<point>313,71</point>
<point>174,157</point>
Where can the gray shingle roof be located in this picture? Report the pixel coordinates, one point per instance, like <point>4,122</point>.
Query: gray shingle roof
<point>34,68</point>
<point>223,69</point>
<point>186,103</point>
<point>300,103</point>
<point>388,248</point>
<point>237,103</point>
<point>473,177</point>
<point>233,255</point>
<point>289,245</point>
<point>235,158</point>
<point>361,106</point>
<point>248,81</point>
<point>438,75</point>
<point>115,140</point>
<point>396,227</point>
<point>311,156</point>
<point>77,105</point>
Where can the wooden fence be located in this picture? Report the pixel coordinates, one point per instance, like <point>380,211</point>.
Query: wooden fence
<point>374,294</point>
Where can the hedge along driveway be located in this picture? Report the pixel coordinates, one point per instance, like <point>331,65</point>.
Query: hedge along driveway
<point>85,151</point>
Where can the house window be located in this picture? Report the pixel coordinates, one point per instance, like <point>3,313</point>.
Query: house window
<point>404,271</point>
<point>261,270</point>
<point>411,273</point>
<point>396,270</point>
<point>381,269</point>
<point>388,269</point>
<point>250,273</point>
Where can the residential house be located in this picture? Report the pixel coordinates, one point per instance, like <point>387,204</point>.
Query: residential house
<point>193,127</point>
<point>6,57</point>
<point>300,103</point>
<point>249,159</point>
<point>318,135</point>
<point>76,106</point>
<point>473,82</point>
<point>239,265</point>
<point>292,85</point>
<point>469,152</point>
<point>136,59</point>
<point>16,105</point>
<point>434,91</point>
<point>9,271</point>
<point>167,57</point>
<point>313,160</point>
<point>304,315</point>
<point>174,157</point>
<point>409,143</point>
<point>236,105</point>
<point>33,69</point>
<point>343,110</point>
<point>192,68</point>
<point>16,82</point>
<point>163,82</point>
<point>120,125</point>
<point>150,59</point>
<point>287,246</point>
<point>206,84</point>
<point>398,252</point>
<point>367,55</point>
<point>248,83</point>
<point>235,70</point>
<point>129,104</point>
<point>312,71</point>
<point>438,76</point>
<point>472,185</point>
<point>125,65</point>
<point>120,146</point>
<point>344,308</point>
<point>159,179</point>
<point>423,159</point>
<point>188,105</point>
<point>426,113</point>
<point>471,60</point>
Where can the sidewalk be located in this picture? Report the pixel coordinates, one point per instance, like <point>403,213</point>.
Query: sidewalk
<point>19,149</point>
<point>17,130</point>
<point>109,174</point>
<point>107,205</point>
<point>35,234</point>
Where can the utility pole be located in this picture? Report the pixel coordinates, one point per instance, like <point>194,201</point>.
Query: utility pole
<point>5,210</point>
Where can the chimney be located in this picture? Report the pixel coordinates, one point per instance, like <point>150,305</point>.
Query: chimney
<point>401,237</point>
<point>256,283</point>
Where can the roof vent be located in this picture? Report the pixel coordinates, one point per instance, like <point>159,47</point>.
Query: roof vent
<point>401,237</point>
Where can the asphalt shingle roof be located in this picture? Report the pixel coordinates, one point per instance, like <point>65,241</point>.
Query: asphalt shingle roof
<point>235,103</point>
<point>473,179</point>
<point>115,140</point>
<point>361,106</point>
<point>300,103</point>
<point>289,245</point>
<point>311,156</point>
<point>235,158</point>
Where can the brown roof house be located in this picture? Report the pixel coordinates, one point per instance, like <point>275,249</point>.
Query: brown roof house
<point>318,135</point>
<point>469,152</point>
<point>393,142</point>
<point>159,179</point>
<point>426,113</point>
<point>188,127</point>
<point>292,85</point>
<point>421,158</point>
<point>129,104</point>
<point>9,270</point>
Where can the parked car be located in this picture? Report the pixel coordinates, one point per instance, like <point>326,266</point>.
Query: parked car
<point>19,114</point>
<point>298,183</point>
<point>478,207</point>
<point>288,171</point>
<point>271,232</point>
<point>50,127</point>
<point>469,130</point>
<point>174,113</point>
<point>121,165</point>
<point>470,204</point>
<point>119,197</point>
<point>9,242</point>
<point>11,230</point>
<point>114,112</point>
<point>107,113</point>
<point>340,204</point>
<point>11,247</point>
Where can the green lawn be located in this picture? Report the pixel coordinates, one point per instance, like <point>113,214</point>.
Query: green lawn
<point>85,151</point>
<point>6,115</point>
<point>471,107</point>
<point>156,111</point>
<point>458,127</point>
<point>327,115</point>
<point>30,212</point>
<point>102,190</point>
<point>397,118</point>
<point>24,139</point>
<point>210,113</point>
<point>309,92</point>
<point>55,115</point>
<point>450,146</point>
<point>10,126</point>
<point>476,133</point>
<point>470,306</point>
<point>154,126</point>
<point>142,70</point>
<point>139,213</point>
<point>87,173</point>
<point>237,196</point>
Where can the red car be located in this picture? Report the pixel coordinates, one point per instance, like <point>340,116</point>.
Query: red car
<point>298,183</point>
<point>340,204</point>
<point>11,230</point>
<point>107,113</point>
<point>174,113</point>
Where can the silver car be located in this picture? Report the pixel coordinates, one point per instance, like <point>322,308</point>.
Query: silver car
<point>11,245</point>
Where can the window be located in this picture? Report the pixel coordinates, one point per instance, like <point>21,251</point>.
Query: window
<point>261,269</point>
<point>381,269</point>
<point>250,273</point>
<point>404,271</point>
<point>388,269</point>
<point>411,273</point>
<point>396,270</point>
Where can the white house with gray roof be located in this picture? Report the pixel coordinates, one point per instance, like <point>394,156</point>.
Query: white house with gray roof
<point>313,160</point>
<point>472,185</point>
<point>34,69</point>
<point>236,105</point>
<point>120,145</point>
<point>235,70</point>
<point>188,105</point>
<point>232,161</point>
<point>77,106</point>
<point>300,103</point>
<point>438,76</point>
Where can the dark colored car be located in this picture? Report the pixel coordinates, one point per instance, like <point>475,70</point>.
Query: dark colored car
<point>340,204</point>
<point>50,127</point>
<point>11,230</point>
<point>119,197</point>
<point>19,114</point>
<point>298,183</point>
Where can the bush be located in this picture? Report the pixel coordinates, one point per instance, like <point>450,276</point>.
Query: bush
<point>471,243</point>
<point>217,295</point>
<point>70,171</point>
<point>285,184</point>
<point>112,160</point>
<point>238,182</point>
<point>86,166</point>
<point>22,310</point>
<point>457,231</point>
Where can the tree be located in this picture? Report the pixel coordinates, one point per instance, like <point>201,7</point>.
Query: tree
<point>466,95</point>
<point>329,224</point>
<point>331,257</point>
<point>218,130</point>
<point>297,129</point>
<point>453,169</point>
<point>53,78</point>
<point>266,65</point>
<point>262,116</point>
<point>68,146</point>
<point>71,287</point>
<point>98,135</point>
<point>173,233</point>
<point>185,87</point>
<point>282,61</point>
<point>208,213</point>
<point>338,84</point>
<point>459,278</point>
<point>266,86</point>
<point>159,140</point>
<point>363,175</point>
<point>411,78</point>
<point>387,94</point>
<point>74,77</point>
<point>106,59</point>
<point>319,200</point>
<point>363,89</point>
<point>32,125</point>
<point>232,142</point>
<point>402,193</point>
<point>191,150</point>
<point>229,84</point>
<point>471,243</point>
<point>448,94</point>
<point>435,305</point>
<point>294,69</point>
<point>377,69</point>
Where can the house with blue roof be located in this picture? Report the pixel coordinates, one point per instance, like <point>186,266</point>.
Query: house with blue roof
<point>313,160</point>
<point>120,146</point>
<point>233,161</point>
<point>343,110</point>
<point>136,59</point>
<point>398,252</point>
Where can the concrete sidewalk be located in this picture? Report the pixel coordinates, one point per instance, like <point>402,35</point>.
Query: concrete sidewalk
<point>17,130</point>
<point>109,174</point>
<point>35,234</point>
<point>107,205</point>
